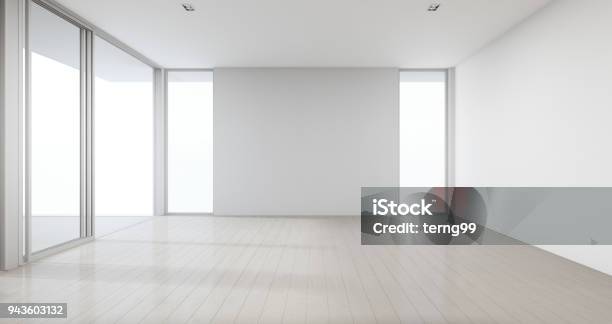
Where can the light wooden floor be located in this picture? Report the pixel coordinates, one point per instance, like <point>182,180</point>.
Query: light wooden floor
<point>296,270</point>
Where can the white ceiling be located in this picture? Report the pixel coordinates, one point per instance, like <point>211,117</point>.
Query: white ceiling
<point>305,33</point>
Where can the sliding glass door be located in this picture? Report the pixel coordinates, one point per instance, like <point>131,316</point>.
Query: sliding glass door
<point>88,133</point>
<point>55,129</point>
<point>123,138</point>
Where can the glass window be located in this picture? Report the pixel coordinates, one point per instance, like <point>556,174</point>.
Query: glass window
<point>422,128</point>
<point>55,121</point>
<point>123,114</point>
<point>190,142</point>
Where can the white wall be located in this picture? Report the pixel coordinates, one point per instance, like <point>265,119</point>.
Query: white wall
<point>534,108</point>
<point>303,141</point>
<point>11,42</point>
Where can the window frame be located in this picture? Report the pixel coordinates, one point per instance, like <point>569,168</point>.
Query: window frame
<point>87,111</point>
<point>449,81</point>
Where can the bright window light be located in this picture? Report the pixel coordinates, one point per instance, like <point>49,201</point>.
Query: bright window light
<point>190,142</point>
<point>422,128</point>
<point>123,114</point>
<point>55,129</point>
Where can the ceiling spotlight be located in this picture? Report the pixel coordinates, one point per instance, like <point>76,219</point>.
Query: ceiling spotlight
<point>188,7</point>
<point>433,7</point>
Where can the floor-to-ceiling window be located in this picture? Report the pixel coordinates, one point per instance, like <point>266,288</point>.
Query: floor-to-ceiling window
<point>422,128</point>
<point>190,141</point>
<point>88,132</point>
<point>55,129</point>
<point>123,136</point>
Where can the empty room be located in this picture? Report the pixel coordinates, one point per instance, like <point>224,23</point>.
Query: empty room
<point>294,161</point>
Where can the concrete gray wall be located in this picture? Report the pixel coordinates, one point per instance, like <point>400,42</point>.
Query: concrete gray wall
<point>303,141</point>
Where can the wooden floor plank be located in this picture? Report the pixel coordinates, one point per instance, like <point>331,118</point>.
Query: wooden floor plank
<point>302,270</point>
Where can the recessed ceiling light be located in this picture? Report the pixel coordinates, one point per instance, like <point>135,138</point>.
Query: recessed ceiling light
<point>188,7</point>
<point>433,7</point>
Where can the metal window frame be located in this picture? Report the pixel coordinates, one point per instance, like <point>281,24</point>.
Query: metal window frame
<point>89,220</point>
<point>30,255</point>
<point>88,32</point>
<point>449,123</point>
<point>12,101</point>
<point>165,141</point>
<point>24,223</point>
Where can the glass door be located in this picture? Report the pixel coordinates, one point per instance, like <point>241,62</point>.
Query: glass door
<point>54,146</point>
<point>123,139</point>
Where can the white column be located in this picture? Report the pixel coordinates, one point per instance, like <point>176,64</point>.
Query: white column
<point>12,24</point>
<point>159,164</point>
<point>450,127</point>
